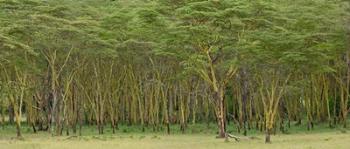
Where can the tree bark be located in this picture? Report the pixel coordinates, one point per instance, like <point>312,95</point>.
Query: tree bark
<point>268,136</point>
<point>18,129</point>
<point>221,113</point>
<point>11,114</point>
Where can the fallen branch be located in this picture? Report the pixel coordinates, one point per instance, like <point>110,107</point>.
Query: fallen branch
<point>232,136</point>
<point>240,138</point>
<point>71,137</point>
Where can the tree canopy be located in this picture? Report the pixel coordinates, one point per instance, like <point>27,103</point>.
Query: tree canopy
<point>160,62</point>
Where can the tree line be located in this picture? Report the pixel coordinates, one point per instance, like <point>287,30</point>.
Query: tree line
<point>260,64</point>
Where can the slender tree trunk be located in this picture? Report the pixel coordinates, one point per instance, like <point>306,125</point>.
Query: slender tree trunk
<point>11,114</point>
<point>221,113</point>
<point>268,135</point>
<point>18,129</point>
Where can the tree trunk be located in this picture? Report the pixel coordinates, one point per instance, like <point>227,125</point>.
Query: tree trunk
<point>53,112</point>
<point>221,114</point>
<point>34,129</point>
<point>11,115</point>
<point>268,136</point>
<point>18,129</point>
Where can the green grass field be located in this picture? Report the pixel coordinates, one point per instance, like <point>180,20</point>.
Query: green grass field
<point>198,136</point>
<point>189,141</point>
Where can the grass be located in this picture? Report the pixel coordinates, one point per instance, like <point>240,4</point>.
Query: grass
<point>197,136</point>
<point>327,140</point>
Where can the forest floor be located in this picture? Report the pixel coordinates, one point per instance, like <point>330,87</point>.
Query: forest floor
<point>126,139</point>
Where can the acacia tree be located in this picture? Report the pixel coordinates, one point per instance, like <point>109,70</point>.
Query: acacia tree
<point>134,62</point>
<point>203,35</point>
<point>14,75</point>
<point>277,37</point>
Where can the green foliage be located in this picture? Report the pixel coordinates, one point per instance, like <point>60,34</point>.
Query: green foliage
<point>162,47</point>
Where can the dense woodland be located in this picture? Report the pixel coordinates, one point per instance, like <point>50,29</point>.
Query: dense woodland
<point>249,64</point>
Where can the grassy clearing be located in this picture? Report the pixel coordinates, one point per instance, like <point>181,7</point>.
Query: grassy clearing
<point>197,136</point>
<point>326,140</point>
